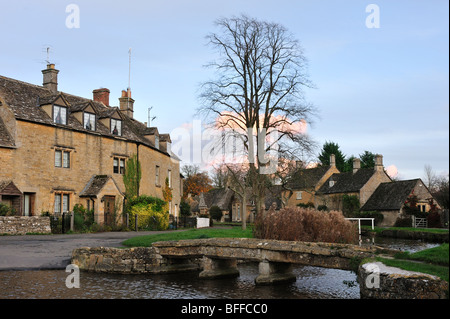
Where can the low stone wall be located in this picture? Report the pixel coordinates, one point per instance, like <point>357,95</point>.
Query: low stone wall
<point>21,225</point>
<point>378,281</point>
<point>141,260</point>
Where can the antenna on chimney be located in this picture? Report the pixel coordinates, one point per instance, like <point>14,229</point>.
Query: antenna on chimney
<point>129,78</point>
<point>150,119</point>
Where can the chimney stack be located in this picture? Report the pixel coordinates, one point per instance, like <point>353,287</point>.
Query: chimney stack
<point>101,95</point>
<point>51,78</point>
<point>333,160</point>
<point>379,163</point>
<point>356,165</point>
<point>126,103</point>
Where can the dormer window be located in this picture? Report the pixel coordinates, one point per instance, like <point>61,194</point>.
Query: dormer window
<point>89,121</point>
<point>60,114</point>
<point>157,141</point>
<point>116,127</point>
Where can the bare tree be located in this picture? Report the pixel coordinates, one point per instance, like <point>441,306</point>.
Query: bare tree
<point>261,73</point>
<point>430,177</point>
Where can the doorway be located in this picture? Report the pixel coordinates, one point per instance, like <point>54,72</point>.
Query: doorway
<point>109,206</point>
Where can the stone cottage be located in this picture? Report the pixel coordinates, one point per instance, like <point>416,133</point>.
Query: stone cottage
<point>389,199</point>
<point>360,182</point>
<point>58,150</point>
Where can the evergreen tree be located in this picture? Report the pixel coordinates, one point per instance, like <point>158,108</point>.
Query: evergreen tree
<point>332,148</point>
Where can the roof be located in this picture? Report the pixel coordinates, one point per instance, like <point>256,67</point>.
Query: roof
<point>221,197</point>
<point>390,196</point>
<point>95,185</point>
<point>26,100</point>
<point>307,178</point>
<point>5,138</point>
<point>347,182</point>
<point>9,188</point>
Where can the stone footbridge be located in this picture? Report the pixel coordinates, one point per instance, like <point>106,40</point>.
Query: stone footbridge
<point>218,257</point>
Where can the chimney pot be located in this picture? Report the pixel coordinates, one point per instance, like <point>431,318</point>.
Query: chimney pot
<point>101,95</point>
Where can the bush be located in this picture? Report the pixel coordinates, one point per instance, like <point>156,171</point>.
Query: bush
<point>185,209</point>
<point>307,205</point>
<point>150,211</point>
<point>5,210</point>
<point>310,225</point>
<point>215,212</point>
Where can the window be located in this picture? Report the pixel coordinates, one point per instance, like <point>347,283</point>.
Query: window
<point>59,114</point>
<point>62,159</point>
<point>299,195</point>
<point>157,141</point>
<point>89,121</point>
<point>157,176</point>
<point>119,165</point>
<point>116,127</point>
<point>169,177</point>
<point>61,203</point>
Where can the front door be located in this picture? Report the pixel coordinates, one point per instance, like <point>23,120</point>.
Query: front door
<point>109,202</point>
<point>26,205</point>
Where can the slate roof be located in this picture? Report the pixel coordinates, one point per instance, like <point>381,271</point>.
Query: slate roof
<point>221,197</point>
<point>390,196</point>
<point>26,99</point>
<point>5,138</point>
<point>307,178</point>
<point>95,185</point>
<point>347,182</point>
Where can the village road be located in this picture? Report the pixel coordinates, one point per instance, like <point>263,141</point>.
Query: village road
<point>36,252</point>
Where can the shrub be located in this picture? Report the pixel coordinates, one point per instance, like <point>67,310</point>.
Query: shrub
<point>307,205</point>
<point>5,210</point>
<point>300,224</point>
<point>185,209</point>
<point>215,212</point>
<point>152,212</point>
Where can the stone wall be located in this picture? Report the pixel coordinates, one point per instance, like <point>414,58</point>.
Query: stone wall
<point>139,260</point>
<point>378,281</point>
<point>21,225</point>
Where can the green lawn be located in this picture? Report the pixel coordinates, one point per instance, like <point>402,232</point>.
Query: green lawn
<point>146,241</point>
<point>433,261</point>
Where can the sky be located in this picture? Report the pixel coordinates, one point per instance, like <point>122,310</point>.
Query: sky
<point>381,75</point>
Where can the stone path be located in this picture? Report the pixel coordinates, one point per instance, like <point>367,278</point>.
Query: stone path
<point>34,252</point>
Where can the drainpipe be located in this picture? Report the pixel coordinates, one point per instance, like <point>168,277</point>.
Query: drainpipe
<point>137,168</point>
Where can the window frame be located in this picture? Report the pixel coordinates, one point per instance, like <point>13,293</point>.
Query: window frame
<point>157,175</point>
<point>90,121</point>
<point>62,161</point>
<point>55,116</point>
<point>120,167</point>
<point>116,121</point>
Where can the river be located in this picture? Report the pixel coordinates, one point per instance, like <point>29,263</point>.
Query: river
<point>312,283</point>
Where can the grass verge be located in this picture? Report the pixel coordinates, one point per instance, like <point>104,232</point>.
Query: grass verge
<point>146,241</point>
<point>436,270</point>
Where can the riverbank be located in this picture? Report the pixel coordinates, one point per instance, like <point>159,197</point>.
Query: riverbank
<point>433,235</point>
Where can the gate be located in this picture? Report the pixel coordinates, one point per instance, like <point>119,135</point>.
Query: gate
<point>419,222</point>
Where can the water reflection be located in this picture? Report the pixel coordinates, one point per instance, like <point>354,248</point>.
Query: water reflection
<point>312,282</point>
